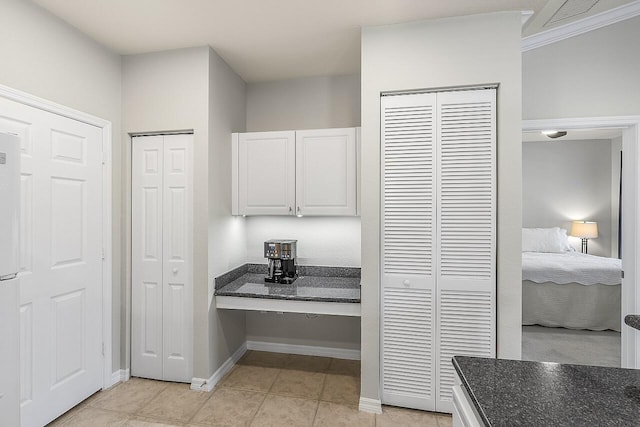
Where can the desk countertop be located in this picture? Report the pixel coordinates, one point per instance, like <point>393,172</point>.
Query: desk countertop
<point>304,288</point>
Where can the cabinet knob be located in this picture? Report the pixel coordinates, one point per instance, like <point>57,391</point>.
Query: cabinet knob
<point>175,271</point>
<point>290,210</point>
<point>406,282</point>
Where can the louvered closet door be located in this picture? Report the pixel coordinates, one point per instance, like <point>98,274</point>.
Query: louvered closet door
<point>408,261</point>
<point>466,221</point>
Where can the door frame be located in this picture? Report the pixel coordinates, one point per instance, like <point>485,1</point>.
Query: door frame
<point>109,378</point>
<point>630,354</point>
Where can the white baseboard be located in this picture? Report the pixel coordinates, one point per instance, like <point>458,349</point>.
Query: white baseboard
<point>307,350</point>
<point>373,406</point>
<point>120,375</point>
<point>202,384</point>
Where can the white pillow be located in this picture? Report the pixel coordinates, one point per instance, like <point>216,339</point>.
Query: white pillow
<point>545,240</point>
<point>564,240</point>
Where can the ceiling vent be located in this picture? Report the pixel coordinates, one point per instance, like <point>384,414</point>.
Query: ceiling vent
<point>570,9</point>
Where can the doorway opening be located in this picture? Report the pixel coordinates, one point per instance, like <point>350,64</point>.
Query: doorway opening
<point>574,298</point>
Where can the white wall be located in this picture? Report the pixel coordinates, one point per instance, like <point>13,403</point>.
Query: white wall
<point>330,241</point>
<point>306,103</point>
<point>593,74</point>
<point>564,181</point>
<point>442,53</point>
<point>44,56</point>
<point>227,249</point>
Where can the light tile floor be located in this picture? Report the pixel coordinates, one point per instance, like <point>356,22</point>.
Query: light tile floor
<point>263,389</point>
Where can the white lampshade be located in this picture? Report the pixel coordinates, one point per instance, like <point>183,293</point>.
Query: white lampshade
<point>584,229</point>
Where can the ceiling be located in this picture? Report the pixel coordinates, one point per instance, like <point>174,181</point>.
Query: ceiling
<point>561,12</point>
<point>272,39</point>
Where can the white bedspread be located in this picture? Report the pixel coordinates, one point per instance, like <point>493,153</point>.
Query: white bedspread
<point>563,268</point>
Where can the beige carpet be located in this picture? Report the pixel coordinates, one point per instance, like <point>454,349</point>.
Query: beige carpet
<point>600,348</point>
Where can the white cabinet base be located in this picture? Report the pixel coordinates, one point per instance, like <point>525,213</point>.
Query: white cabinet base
<point>465,413</point>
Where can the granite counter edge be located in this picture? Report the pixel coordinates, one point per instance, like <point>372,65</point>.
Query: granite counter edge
<point>470,392</point>
<point>280,298</point>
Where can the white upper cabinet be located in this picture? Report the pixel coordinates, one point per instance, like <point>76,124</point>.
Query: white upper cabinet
<point>309,172</point>
<point>266,173</point>
<point>326,172</point>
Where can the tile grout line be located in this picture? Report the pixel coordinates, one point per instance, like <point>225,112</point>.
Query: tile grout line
<point>324,382</point>
<point>165,386</point>
<point>264,399</point>
<point>204,402</point>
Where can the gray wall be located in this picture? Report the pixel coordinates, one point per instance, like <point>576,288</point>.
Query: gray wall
<point>227,107</point>
<point>569,180</point>
<point>170,91</point>
<point>45,57</point>
<point>590,75</point>
<point>303,329</point>
<point>306,103</point>
<point>442,53</point>
<point>194,89</point>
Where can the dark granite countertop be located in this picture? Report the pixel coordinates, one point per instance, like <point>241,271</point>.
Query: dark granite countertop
<point>305,288</point>
<point>632,320</point>
<point>521,393</point>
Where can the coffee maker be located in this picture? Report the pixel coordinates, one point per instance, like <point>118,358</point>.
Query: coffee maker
<point>282,261</point>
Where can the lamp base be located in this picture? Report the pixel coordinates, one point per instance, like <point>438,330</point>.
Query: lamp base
<point>584,246</point>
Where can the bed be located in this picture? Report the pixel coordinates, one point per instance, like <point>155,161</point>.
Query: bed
<point>571,290</point>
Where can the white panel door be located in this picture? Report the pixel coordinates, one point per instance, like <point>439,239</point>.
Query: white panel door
<point>326,172</point>
<point>162,284</point>
<point>177,249</point>
<point>60,260</point>
<point>147,257</point>
<point>466,279</point>
<point>408,256</point>
<point>266,173</point>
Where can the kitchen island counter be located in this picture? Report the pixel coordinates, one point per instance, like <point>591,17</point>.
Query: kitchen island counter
<point>521,393</point>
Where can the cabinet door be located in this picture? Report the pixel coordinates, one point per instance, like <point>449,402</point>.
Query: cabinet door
<point>326,172</point>
<point>266,173</point>
<point>408,256</point>
<point>466,272</point>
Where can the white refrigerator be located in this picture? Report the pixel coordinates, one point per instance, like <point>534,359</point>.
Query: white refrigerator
<point>9,298</point>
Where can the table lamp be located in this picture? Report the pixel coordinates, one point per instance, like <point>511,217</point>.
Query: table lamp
<point>585,230</point>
